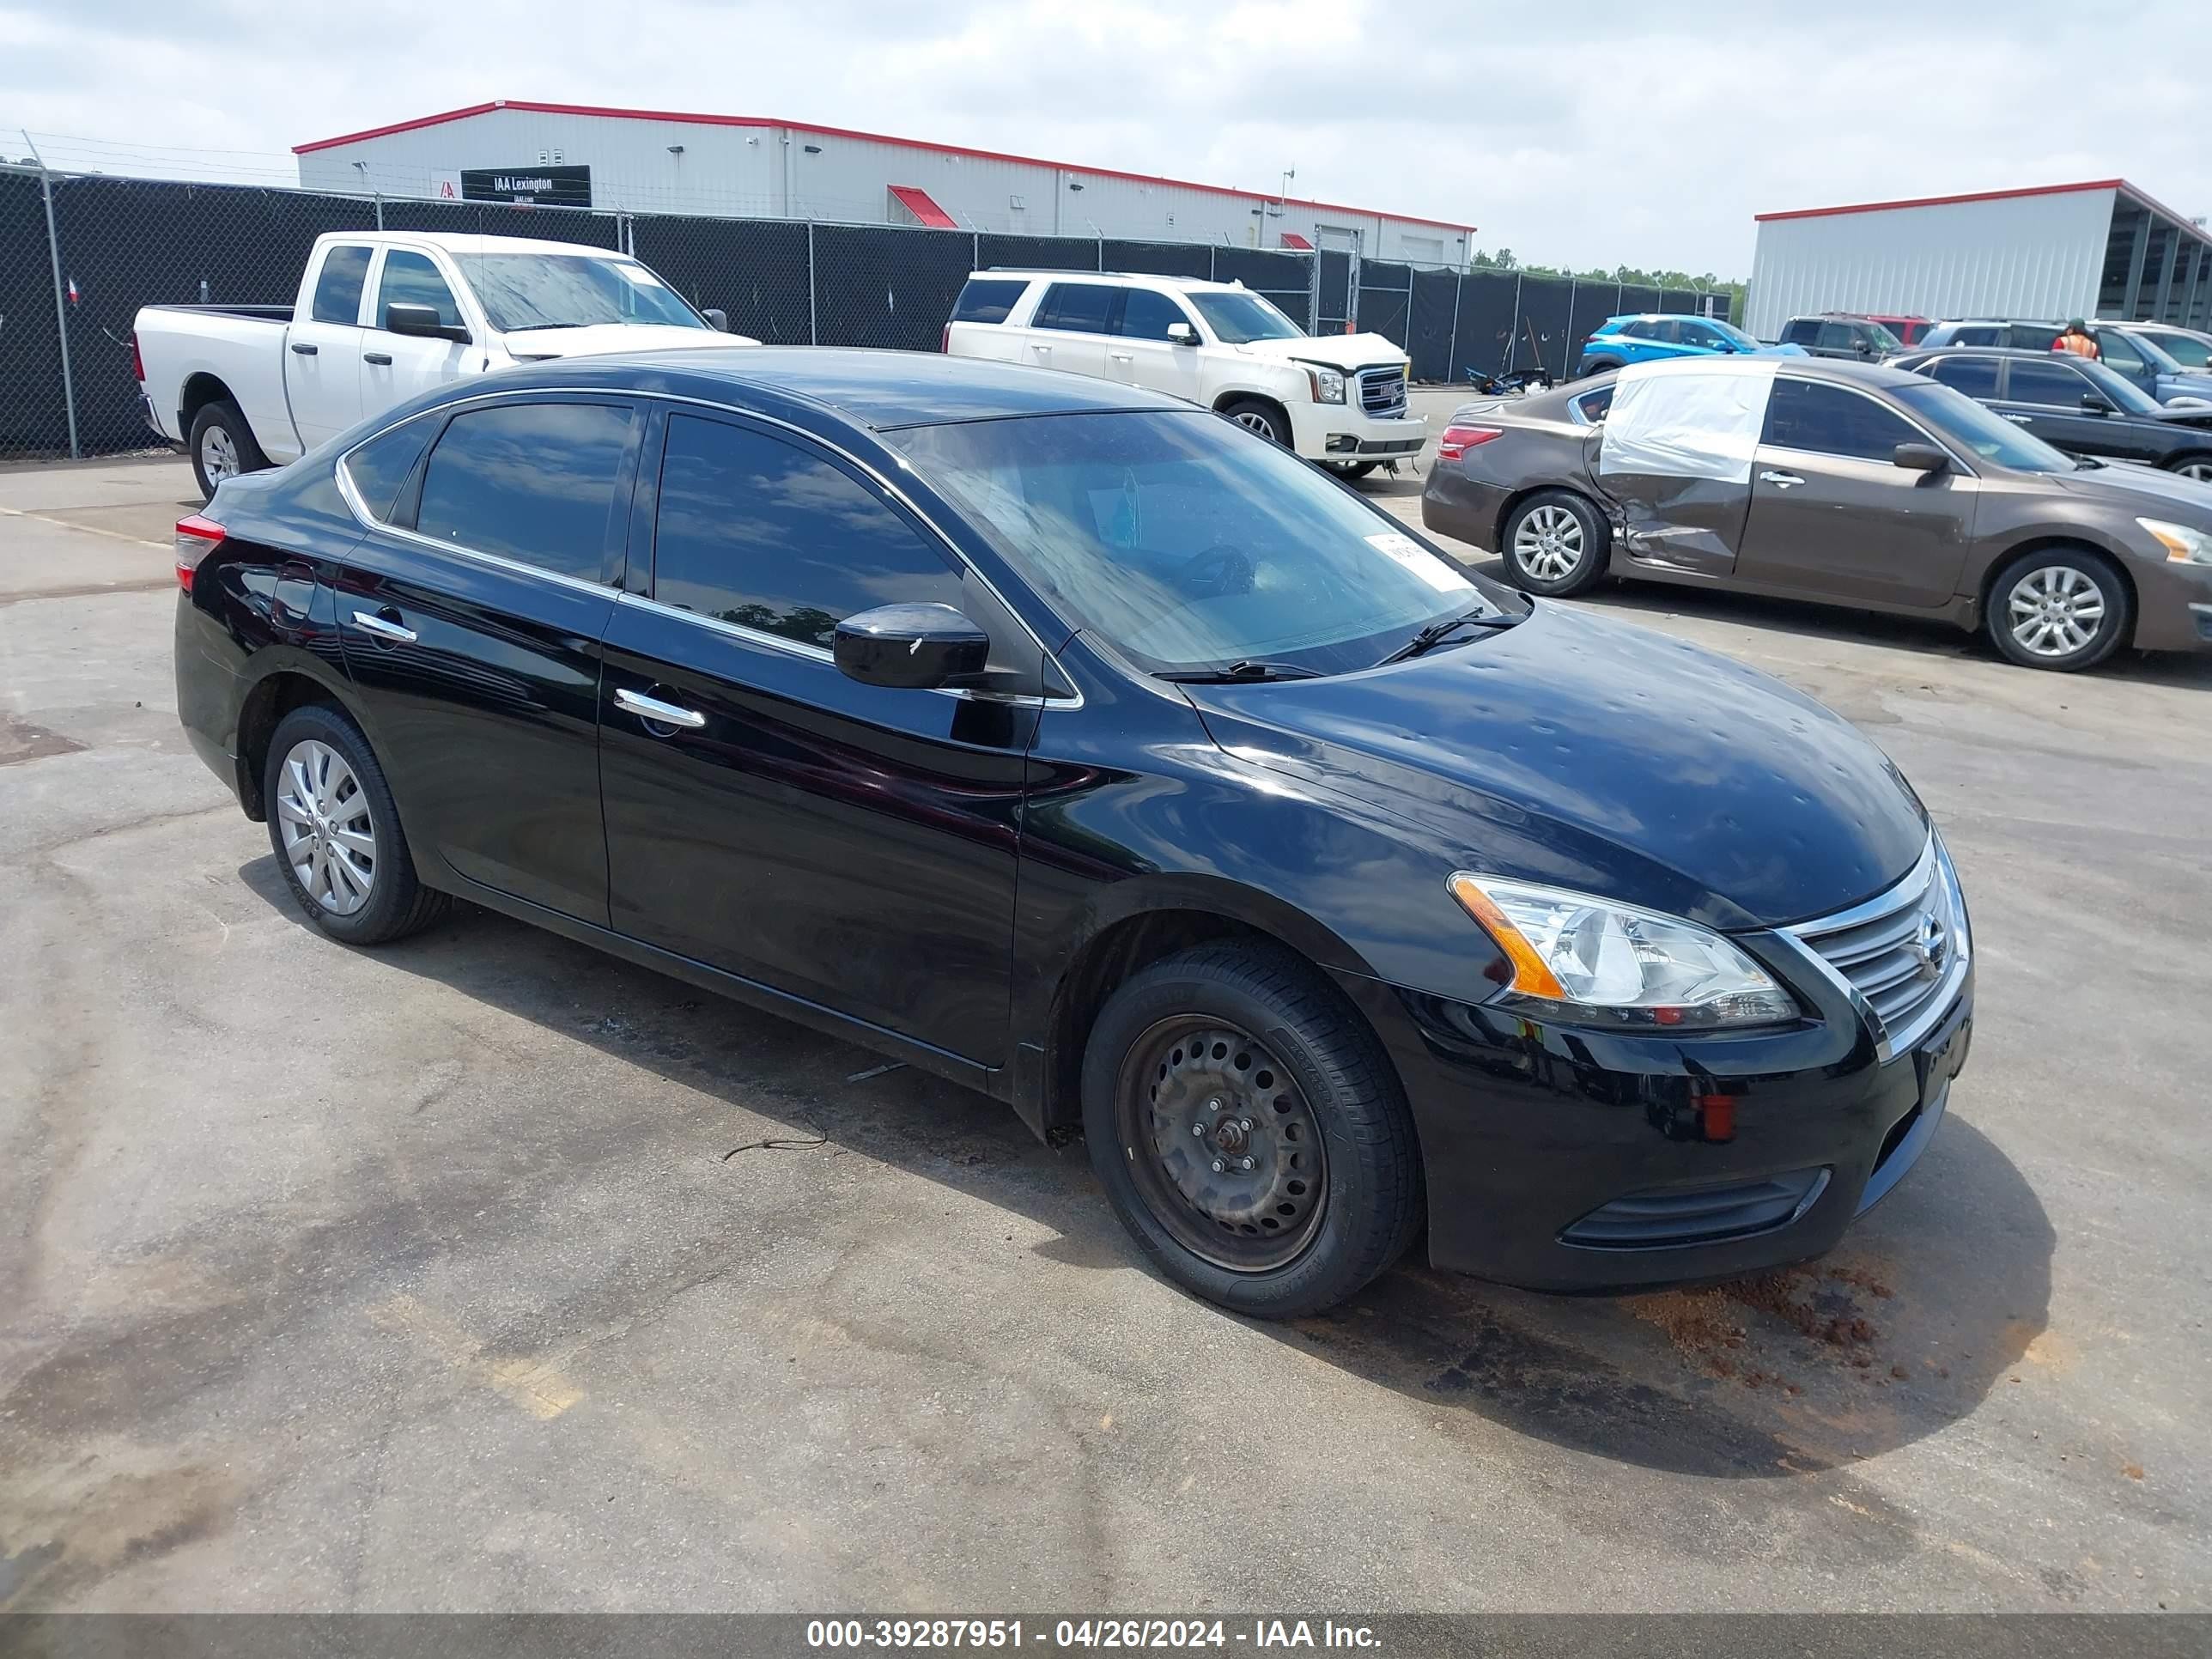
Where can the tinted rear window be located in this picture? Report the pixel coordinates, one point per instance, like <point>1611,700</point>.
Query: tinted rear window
<point>1081,307</point>
<point>987,301</point>
<point>533,482</point>
<point>379,467</point>
<point>1975,376</point>
<point>338,290</point>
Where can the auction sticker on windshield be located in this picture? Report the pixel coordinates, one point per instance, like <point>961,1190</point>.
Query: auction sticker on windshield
<point>1422,563</point>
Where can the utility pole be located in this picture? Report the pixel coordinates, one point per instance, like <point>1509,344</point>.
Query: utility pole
<point>61,303</point>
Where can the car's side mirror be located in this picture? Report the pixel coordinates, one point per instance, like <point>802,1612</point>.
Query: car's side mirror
<point>916,646</point>
<point>717,319</point>
<point>1182,334</point>
<point>1922,457</point>
<point>1865,348</point>
<point>2096,403</point>
<point>421,322</point>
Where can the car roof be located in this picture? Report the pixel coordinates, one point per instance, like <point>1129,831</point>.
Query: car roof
<point>1109,279</point>
<point>462,247</point>
<point>882,390</point>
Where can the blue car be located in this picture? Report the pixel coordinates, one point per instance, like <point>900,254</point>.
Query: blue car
<point>1654,336</point>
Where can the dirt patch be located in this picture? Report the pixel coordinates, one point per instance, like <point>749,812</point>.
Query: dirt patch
<point>1714,1329</point>
<point>21,741</point>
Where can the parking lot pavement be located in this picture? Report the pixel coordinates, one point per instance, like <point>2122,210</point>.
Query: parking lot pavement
<point>487,1272</point>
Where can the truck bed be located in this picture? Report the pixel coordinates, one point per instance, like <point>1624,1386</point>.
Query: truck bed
<point>251,314</point>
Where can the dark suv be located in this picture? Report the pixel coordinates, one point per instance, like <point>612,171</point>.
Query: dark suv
<point>1839,334</point>
<point>2080,406</point>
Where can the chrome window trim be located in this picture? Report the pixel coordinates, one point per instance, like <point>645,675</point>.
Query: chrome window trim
<point>1932,868</point>
<point>370,521</point>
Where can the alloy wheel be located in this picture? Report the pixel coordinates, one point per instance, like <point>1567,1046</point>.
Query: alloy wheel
<point>2201,470</point>
<point>1548,543</point>
<point>330,837</point>
<point>2055,611</point>
<point>1253,420</point>
<point>1224,1145</point>
<point>218,454</point>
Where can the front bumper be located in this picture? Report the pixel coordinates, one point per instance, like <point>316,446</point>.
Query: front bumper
<point>2173,605</point>
<point>1340,432</point>
<point>1567,1159</point>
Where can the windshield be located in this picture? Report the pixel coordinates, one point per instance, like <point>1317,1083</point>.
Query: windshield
<point>2191,351</point>
<point>554,290</point>
<point>1190,545</point>
<point>1240,318</point>
<point>1883,339</point>
<point>1743,342</point>
<point>2152,353</point>
<point>1975,428</point>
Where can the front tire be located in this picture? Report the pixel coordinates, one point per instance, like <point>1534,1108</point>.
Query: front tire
<point>2064,609</point>
<point>1265,419</point>
<point>1349,470</point>
<point>336,832</point>
<point>2199,467</point>
<point>221,446</point>
<point>1556,544</point>
<point>1249,1131</point>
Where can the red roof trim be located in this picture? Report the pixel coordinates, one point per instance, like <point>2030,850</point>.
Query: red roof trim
<point>1946,201</point>
<point>918,202</point>
<point>869,138</point>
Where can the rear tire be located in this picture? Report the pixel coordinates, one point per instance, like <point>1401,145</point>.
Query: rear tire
<point>1591,365</point>
<point>2062,608</point>
<point>221,446</point>
<point>1555,543</point>
<point>1251,1046</point>
<point>336,832</point>
<point>1258,417</point>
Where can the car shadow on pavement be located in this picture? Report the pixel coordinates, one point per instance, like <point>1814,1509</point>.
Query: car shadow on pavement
<point>1930,1305</point>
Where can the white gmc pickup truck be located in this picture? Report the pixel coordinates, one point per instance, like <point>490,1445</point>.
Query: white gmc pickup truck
<point>380,317</point>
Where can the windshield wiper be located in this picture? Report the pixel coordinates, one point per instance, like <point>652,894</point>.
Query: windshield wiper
<point>1240,671</point>
<point>1437,632</point>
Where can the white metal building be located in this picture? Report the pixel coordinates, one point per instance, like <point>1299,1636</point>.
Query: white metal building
<point>2101,249</point>
<point>653,161</point>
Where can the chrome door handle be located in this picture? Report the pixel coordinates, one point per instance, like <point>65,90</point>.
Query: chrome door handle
<point>1780,480</point>
<point>369,622</point>
<point>2019,420</point>
<point>659,713</point>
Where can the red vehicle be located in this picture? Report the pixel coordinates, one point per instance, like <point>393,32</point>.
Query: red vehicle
<point>1907,329</point>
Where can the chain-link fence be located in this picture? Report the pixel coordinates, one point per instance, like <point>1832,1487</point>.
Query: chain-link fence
<point>80,255</point>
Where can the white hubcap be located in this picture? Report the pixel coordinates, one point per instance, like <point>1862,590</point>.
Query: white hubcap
<point>330,840</point>
<point>1548,544</point>
<point>2055,611</point>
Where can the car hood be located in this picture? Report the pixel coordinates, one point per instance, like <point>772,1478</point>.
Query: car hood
<point>1598,755</point>
<point>2185,386</point>
<point>602,339</point>
<point>2123,484</point>
<point>1337,351</point>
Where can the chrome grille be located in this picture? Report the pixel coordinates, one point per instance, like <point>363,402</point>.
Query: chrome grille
<point>1382,391</point>
<point>1904,951</point>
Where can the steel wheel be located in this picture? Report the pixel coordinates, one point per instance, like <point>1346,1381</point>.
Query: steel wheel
<point>330,838</point>
<point>2055,611</point>
<point>1225,1148</point>
<point>219,454</point>
<point>1548,543</point>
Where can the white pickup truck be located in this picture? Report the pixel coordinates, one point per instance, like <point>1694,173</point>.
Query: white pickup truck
<point>381,316</point>
<point>1336,398</point>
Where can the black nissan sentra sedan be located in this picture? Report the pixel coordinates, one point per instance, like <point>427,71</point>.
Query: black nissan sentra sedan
<point>1072,743</point>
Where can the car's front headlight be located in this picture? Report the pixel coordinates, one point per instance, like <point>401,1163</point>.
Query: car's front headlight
<point>1590,960</point>
<point>1327,383</point>
<point>2183,545</point>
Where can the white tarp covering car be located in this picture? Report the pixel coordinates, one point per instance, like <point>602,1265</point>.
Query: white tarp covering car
<point>1690,420</point>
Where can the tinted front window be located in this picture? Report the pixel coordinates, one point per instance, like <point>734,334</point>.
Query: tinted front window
<point>1240,318</point>
<point>379,467</point>
<point>2052,384</point>
<point>1145,315</point>
<point>338,290</point>
<point>2118,351</point>
<point>1975,376</point>
<point>764,534</point>
<point>1836,336</point>
<point>1981,431</point>
<point>1079,308</point>
<point>1832,420</point>
<point>1178,539</point>
<point>987,301</point>
<point>535,482</point>
<point>2187,349</point>
<point>581,291</point>
<point>412,279</point>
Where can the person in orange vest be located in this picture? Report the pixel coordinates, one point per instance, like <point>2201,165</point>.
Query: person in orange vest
<point>2076,340</point>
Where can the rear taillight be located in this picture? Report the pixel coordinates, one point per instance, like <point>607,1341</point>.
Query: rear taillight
<point>1457,440</point>
<point>137,363</point>
<point>197,537</point>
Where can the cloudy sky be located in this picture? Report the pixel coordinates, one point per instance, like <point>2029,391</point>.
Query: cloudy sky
<point>1578,133</point>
